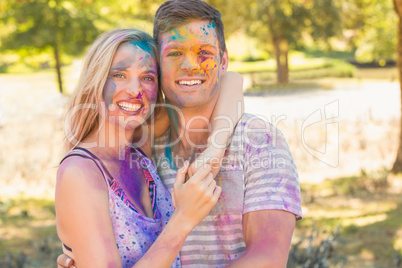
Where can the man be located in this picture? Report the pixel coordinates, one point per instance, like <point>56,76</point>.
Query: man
<point>253,222</point>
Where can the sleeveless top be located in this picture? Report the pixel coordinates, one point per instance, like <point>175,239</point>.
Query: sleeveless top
<point>134,233</point>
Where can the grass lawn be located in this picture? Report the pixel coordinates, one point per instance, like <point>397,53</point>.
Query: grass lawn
<point>367,210</point>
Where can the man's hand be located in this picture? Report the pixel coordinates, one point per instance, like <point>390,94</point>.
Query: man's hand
<point>64,261</point>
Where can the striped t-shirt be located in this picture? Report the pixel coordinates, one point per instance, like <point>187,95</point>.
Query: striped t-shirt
<point>257,173</point>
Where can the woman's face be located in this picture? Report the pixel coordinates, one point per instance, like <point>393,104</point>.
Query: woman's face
<point>132,85</point>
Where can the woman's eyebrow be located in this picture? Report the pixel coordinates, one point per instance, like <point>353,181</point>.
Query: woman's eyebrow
<point>118,67</point>
<point>121,66</point>
<point>151,71</point>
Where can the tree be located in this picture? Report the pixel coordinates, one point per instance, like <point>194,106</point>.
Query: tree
<point>398,8</point>
<point>371,27</point>
<point>53,26</point>
<point>284,23</point>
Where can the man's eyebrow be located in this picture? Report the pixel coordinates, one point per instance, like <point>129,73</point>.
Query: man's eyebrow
<point>172,46</point>
<point>176,46</point>
<point>208,45</point>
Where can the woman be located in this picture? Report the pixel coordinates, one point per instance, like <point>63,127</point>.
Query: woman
<point>112,209</point>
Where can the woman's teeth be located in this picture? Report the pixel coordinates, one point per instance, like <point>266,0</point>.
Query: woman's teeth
<point>129,106</point>
<point>190,83</point>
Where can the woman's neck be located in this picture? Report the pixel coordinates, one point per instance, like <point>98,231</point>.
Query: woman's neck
<point>112,141</point>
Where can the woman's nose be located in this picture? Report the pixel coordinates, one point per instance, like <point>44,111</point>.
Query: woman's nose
<point>134,87</point>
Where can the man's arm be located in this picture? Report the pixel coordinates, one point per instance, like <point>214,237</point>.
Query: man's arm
<point>267,234</point>
<point>272,200</point>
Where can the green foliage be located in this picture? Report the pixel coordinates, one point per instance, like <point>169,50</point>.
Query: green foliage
<point>371,27</point>
<point>38,25</point>
<point>291,19</point>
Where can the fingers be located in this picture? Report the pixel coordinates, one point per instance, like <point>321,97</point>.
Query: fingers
<point>192,169</point>
<point>208,179</point>
<point>211,186</point>
<point>173,200</point>
<point>217,193</point>
<point>181,174</point>
<point>211,156</point>
<point>201,173</point>
<point>64,261</point>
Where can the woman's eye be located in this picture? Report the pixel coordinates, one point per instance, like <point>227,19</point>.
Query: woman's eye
<point>149,78</point>
<point>118,75</point>
<point>175,53</point>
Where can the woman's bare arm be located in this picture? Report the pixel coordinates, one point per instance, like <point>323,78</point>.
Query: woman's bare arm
<point>82,214</point>
<point>228,111</point>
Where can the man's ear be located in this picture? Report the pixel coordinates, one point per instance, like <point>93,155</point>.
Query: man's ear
<point>224,62</point>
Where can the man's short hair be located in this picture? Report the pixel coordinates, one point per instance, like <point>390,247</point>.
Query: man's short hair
<point>174,13</point>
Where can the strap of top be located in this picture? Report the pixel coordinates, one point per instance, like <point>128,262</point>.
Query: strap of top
<point>92,157</point>
<point>113,184</point>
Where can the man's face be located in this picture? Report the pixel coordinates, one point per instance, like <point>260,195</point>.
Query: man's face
<point>191,65</point>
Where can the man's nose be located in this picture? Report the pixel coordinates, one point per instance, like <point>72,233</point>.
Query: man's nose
<point>190,63</point>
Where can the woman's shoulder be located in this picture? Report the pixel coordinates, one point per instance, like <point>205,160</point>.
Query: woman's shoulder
<point>80,171</point>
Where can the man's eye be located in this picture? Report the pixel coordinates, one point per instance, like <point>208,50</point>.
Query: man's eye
<point>205,52</point>
<point>174,54</point>
<point>118,75</point>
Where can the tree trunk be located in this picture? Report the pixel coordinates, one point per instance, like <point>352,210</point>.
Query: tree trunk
<point>398,8</point>
<point>56,47</point>
<point>58,67</point>
<point>281,56</point>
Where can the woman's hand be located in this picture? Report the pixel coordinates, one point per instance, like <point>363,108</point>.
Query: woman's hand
<point>64,261</point>
<point>212,156</point>
<point>194,199</point>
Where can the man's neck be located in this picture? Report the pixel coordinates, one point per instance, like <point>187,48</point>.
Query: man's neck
<point>190,128</point>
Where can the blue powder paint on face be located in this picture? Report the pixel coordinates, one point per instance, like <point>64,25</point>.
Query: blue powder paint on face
<point>175,34</point>
<point>109,90</point>
<point>142,45</point>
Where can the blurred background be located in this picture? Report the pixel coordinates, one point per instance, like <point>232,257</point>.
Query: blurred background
<point>323,71</point>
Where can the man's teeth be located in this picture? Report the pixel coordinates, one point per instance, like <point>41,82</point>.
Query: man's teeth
<point>190,83</point>
<point>129,106</point>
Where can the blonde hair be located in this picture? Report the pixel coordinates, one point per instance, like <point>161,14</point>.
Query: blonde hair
<point>80,120</point>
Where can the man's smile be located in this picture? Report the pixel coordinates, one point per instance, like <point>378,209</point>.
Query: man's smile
<point>190,83</point>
